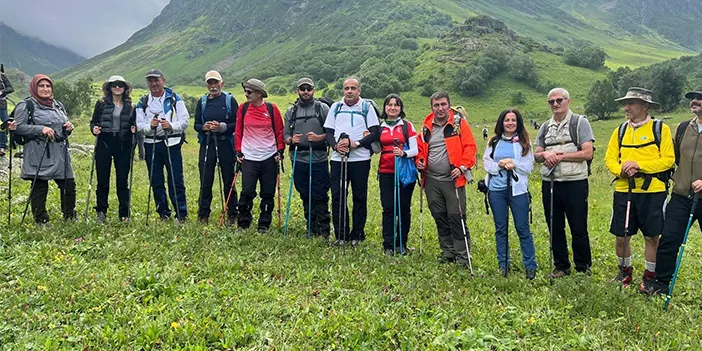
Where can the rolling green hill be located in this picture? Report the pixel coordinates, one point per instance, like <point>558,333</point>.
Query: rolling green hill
<point>333,38</point>
<point>32,55</point>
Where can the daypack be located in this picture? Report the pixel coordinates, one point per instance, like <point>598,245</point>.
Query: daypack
<point>29,103</point>
<point>573,131</point>
<point>144,100</point>
<point>365,108</point>
<point>317,114</point>
<point>203,103</point>
<point>657,127</point>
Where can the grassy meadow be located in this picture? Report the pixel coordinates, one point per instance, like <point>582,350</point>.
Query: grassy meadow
<point>150,286</point>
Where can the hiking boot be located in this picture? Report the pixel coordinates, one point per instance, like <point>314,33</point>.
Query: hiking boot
<point>530,274</point>
<point>404,252</point>
<point>203,220</point>
<point>355,243</point>
<point>504,271</point>
<point>443,259</point>
<point>339,242</point>
<point>656,287</point>
<point>2,152</point>
<point>389,252</point>
<point>231,219</point>
<point>101,217</point>
<point>647,282</point>
<point>624,276</point>
<point>559,273</point>
<point>262,230</point>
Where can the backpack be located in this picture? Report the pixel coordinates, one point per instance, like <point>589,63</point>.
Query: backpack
<point>679,133</point>
<point>657,127</point>
<point>375,147</point>
<point>271,113</point>
<point>317,114</point>
<point>203,103</point>
<point>23,139</point>
<point>144,100</point>
<point>573,131</point>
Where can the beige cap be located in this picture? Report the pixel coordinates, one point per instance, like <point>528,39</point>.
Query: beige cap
<point>213,75</point>
<point>304,81</point>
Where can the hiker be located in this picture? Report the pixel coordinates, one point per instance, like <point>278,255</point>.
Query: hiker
<point>215,119</point>
<point>258,141</point>
<point>398,140</point>
<point>113,124</point>
<point>43,123</point>
<point>5,89</point>
<point>161,116</point>
<point>485,133</point>
<point>508,161</point>
<point>304,129</point>
<point>687,185</point>
<point>640,154</point>
<point>447,150</point>
<point>564,145</point>
<point>356,120</point>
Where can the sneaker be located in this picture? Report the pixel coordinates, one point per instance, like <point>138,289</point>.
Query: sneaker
<point>624,276</point>
<point>19,154</point>
<point>339,242</point>
<point>124,220</point>
<point>559,273</point>
<point>2,152</point>
<point>262,230</point>
<point>530,274</point>
<point>203,220</point>
<point>101,217</point>
<point>656,287</point>
<point>504,271</point>
<point>355,243</point>
<point>647,281</point>
<point>164,217</point>
<point>389,252</point>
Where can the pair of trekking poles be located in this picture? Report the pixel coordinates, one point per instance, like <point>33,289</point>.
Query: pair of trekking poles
<point>309,192</point>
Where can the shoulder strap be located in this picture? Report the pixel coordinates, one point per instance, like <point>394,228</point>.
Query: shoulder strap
<point>364,111</point>
<point>271,113</point>
<point>318,112</point>
<point>203,102</point>
<point>573,129</point>
<point>144,100</point>
<point>405,132</point>
<point>228,103</point>
<point>243,114</point>
<point>679,133</point>
<point>622,131</point>
<point>542,132</point>
<point>657,130</point>
<point>493,144</point>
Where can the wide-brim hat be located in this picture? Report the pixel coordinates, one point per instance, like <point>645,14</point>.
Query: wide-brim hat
<point>691,94</point>
<point>642,94</point>
<point>112,79</point>
<point>255,84</point>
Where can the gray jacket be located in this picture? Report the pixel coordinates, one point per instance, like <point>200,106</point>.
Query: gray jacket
<point>307,121</point>
<point>53,165</point>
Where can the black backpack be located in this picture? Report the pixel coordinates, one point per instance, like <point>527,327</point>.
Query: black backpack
<point>657,127</point>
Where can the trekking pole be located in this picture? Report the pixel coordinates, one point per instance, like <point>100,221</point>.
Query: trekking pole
<point>204,168</point>
<point>90,182</point>
<point>309,198</point>
<point>421,177</point>
<point>64,200</point>
<point>396,202</point>
<point>237,168</point>
<point>170,163</point>
<point>342,195</point>
<point>218,169</point>
<point>290,189</point>
<point>34,181</point>
<point>9,179</point>
<point>550,229</point>
<point>682,250</point>
<point>626,229</point>
<point>131,177</point>
<point>463,227</point>
<point>279,167</point>
<point>151,172</point>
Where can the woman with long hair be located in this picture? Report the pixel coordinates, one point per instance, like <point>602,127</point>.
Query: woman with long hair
<point>43,124</point>
<point>397,139</point>
<point>508,161</point>
<point>113,126</point>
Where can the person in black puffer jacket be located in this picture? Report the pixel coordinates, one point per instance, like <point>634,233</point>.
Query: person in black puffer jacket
<point>113,125</point>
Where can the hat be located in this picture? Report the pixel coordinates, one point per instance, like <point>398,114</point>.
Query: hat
<point>112,79</point>
<point>154,73</point>
<point>642,94</point>
<point>304,81</point>
<point>213,75</point>
<point>691,94</point>
<point>255,84</point>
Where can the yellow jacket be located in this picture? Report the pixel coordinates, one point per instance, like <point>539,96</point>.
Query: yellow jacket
<point>649,158</point>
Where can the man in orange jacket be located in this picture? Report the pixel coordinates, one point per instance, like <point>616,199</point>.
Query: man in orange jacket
<point>446,154</point>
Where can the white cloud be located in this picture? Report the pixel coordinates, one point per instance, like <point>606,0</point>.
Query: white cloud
<point>88,27</point>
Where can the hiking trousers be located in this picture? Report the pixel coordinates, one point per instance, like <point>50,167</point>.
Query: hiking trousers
<point>320,194</point>
<point>677,214</point>
<point>441,199</point>
<point>254,172</point>
<point>226,166</point>
<point>357,176</point>
<point>110,148</point>
<point>38,195</point>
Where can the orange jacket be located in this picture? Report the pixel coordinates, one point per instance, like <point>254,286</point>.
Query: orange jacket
<point>460,144</point>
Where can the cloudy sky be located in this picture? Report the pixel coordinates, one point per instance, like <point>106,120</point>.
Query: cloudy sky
<point>88,27</point>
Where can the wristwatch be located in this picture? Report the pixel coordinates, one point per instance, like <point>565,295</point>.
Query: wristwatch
<point>357,143</point>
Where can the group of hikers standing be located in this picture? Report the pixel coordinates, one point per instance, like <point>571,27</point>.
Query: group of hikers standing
<point>251,139</point>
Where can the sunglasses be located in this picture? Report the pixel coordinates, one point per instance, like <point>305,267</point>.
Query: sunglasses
<point>552,102</point>
<point>118,85</point>
<point>697,97</point>
<point>305,88</point>
<point>248,92</point>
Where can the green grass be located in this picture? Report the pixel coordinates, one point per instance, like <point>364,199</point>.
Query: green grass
<point>160,286</point>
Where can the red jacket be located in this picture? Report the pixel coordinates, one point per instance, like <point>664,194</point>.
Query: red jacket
<point>460,144</point>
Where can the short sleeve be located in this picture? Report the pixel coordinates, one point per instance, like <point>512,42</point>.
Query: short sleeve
<point>330,122</point>
<point>539,141</point>
<point>585,133</point>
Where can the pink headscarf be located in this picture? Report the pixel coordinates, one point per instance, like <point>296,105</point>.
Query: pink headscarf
<point>34,90</point>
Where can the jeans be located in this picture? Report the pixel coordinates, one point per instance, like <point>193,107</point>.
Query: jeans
<point>520,213</point>
<point>176,191</point>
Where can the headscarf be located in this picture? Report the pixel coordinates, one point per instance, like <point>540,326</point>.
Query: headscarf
<point>34,90</point>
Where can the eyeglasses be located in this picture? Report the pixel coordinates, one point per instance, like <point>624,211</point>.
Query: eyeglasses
<point>552,102</point>
<point>305,88</point>
<point>118,85</point>
<point>697,97</point>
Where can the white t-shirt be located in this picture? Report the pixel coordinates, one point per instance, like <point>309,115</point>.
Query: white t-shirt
<point>350,120</point>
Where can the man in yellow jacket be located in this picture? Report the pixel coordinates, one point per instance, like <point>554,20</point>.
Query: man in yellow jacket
<point>640,154</point>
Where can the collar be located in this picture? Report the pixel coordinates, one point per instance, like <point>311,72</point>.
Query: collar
<point>639,124</point>
<point>567,117</point>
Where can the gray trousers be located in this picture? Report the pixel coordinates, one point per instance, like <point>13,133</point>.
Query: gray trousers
<point>441,198</point>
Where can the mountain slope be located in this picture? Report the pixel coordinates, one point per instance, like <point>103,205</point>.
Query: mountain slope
<point>32,55</point>
<point>332,38</point>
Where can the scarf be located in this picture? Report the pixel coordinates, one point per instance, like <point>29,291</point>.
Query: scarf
<point>34,90</point>
<point>639,124</point>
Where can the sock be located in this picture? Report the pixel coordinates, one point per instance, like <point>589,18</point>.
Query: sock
<point>625,261</point>
<point>651,266</point>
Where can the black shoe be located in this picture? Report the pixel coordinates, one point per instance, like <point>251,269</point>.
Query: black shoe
<point>389,252</point>
<point>339,242</point>
<point>504,271</point>
<point>657,287</point>
<point>262,230</point>
<point>443,259</point>
<point>164,217</point>
<point>231,219</point>
<point>559,273</point>
<point>203,220</point>
<point>530,274</point>
<point>101,217</point>
<point>355,243</point>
